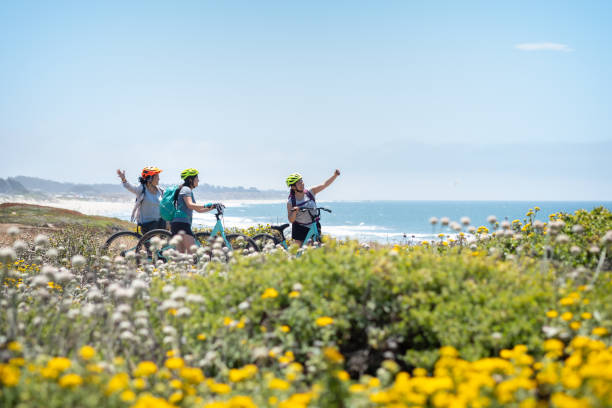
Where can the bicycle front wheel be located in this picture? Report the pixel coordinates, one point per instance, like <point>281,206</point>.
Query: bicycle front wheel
<point>145,243</point>
<point>265,240</point>
<point>120,243</point>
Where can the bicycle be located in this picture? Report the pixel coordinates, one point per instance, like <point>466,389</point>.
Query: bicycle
<point>313,231</point>
<point>120,243</point>
<point>202,239</point>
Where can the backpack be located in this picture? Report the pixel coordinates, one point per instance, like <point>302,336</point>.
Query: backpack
<point>307,192</point>
<point>167,205</point>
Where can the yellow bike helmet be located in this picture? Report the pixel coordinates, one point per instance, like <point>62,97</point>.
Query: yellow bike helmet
<point>293,178</point>
<point>188,173</point>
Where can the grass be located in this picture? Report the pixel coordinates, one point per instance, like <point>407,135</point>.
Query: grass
<point>43,216</point>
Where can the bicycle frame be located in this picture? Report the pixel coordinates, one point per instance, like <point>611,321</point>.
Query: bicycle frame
<point>313,231</point>
<point>218,229</point>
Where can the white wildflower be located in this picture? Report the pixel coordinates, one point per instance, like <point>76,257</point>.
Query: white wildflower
<point>194,298</point>
<point>183,312</point>
<point>176,240</point>
<point>127,336</point>
<point>78,261</point>
<point>562,239</point>
<point>244,305</point>
<point>13,231</point>
<point>20,246</point>
<point>41,240</point>
<point>52,253</point>
<point>7,255</point>
<point>124,309</point>
<point>49,271</point>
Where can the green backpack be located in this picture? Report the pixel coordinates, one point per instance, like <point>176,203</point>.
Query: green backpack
<point>167,205</point>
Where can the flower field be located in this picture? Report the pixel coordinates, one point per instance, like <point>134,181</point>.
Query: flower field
<point>512,314</point>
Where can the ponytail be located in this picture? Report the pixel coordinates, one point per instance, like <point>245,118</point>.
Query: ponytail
<point>188,182</point>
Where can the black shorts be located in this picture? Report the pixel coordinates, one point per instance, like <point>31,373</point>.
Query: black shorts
<point>299,231</point>
<point>151,225</point>
<point>176,227</point>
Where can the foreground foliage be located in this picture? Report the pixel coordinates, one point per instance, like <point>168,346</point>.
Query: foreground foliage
<point>520,317</point>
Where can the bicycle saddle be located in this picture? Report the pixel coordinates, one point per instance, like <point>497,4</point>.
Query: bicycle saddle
<point>279,228</point>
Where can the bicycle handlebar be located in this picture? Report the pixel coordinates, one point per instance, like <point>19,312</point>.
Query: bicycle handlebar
<point>317,208</point>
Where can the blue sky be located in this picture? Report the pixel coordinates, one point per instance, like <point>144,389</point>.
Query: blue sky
<point>411,100</point>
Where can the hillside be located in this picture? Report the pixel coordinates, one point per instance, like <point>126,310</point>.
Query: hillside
<point>23,185</point>
<point>39,216</point>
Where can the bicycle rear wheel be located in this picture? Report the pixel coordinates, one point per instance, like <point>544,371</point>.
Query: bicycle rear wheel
<point>144,244</point>
<point>242,244</point>
<point>120,243</point>
<point>264,240</point>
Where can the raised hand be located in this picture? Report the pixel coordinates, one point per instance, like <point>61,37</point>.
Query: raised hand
<point>121,174</point>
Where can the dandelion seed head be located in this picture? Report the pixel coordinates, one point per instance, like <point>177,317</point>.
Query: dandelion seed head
<point>433,220</point>
<point>562,239</point>
<point>78,261</point>
<point>444,221</point>
<point>183,312</point>
<point>13,231</point>
<point>577,229</point>
<point>7,254</point>
<point>465,221</point>
<point>20,246</point>
<point>41,240</point>
<point>594,249</point>
<point>491,219</point>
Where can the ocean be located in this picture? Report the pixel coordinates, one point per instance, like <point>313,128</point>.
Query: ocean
<point>404,221</point>
<point>381,221</point>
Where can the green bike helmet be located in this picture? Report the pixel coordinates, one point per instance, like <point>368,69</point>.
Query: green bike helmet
<point>188,173</point>
<point>293,178</point>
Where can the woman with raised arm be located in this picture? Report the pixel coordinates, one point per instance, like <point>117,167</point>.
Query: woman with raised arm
<point>301,198</point>
<point>185,206</point>
<point>148,196</point>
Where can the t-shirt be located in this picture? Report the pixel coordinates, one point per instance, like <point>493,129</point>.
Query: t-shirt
<point>305,217</point>
<point>149,208</point>
<point>184,214</point>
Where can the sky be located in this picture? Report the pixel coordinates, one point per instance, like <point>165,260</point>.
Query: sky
<point>411,100</point>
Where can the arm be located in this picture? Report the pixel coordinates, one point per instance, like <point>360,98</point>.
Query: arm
<point>292,213</point>
<point>317,189</point>
<point>126,183</point>
<point>201,208</point>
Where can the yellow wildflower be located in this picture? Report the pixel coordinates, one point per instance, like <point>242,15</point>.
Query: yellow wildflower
<point>324,321</point>
<point>269,293</point>
<point>127,396</point>
<point>600,331</point>
<point>70,380</point>
<point>9,375</point>
<point>333,355</point>
<point>145,369</point>
<point>14,346</point>
<point>294,294</point>
<point>59,364</point>
<point>343,375</point>
<point>118,382</point>
<point>219,388</point>
<point>87,352</point>
<point>175,363</point>
<point>278,384</point>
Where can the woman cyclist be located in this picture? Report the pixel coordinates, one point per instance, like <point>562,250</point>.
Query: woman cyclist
<point>148,195</point>
<point>299,198</point>
<point>185,206</point>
